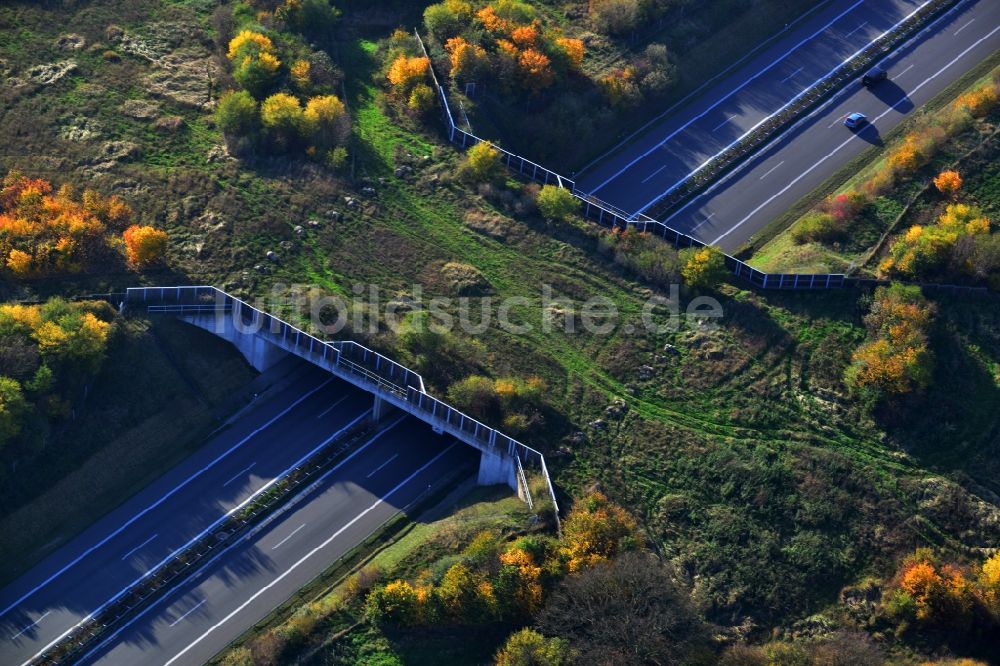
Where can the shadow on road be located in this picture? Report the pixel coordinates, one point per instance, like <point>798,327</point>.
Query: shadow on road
<point>893,96</point>
<point>870,134</point>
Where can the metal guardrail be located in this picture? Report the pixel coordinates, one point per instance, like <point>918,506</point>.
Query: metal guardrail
<point>766,129</point>
<point>612,216</point>
<point>344,356</point>
<point>185,561</point>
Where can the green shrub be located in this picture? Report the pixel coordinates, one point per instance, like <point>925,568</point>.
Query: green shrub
<point>556,203</point>
<point>421,99</point>
<point>312,18</point>
<point>614,17</point>
<point>529,648</point>
<point>336,159</point>
<point>237,114</point>
<point>447,19</point>
<point>817,227</point>
<point>481,164</point>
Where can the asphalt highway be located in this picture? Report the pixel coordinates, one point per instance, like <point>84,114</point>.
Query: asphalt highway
<point>730,212</point>
<point>256,573</point>
<point>52,598</point>
<point>635,177</point>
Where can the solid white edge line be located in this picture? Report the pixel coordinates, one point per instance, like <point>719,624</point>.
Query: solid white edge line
<point>732,92</point>
<point>208,529</point>
<point>267,521</point>
<point>783,107</point>
<point>854,136</point>
<point>836,98</point>
<point>308,555</point>
<point>162,499</point>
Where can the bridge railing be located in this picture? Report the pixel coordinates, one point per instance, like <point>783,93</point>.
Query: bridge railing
<point>343,356</point>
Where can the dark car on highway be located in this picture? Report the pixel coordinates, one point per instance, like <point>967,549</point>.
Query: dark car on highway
<point>873,76</point>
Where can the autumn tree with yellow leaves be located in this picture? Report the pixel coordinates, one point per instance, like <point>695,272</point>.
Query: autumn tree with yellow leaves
<point>47,352</point>
<point>925,250</point>
<point>255,62</point>
<point>703,267</point>
<point>597,530</point>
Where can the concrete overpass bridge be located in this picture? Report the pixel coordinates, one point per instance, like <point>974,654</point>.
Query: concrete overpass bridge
<point>264,339</point>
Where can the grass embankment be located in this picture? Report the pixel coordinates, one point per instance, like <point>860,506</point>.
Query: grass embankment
<point>747,461</point>
<point>776,250</point>
<point>321,628</point>
<point>734,441</point>
<point>702,39</point>
<point>158,395</point>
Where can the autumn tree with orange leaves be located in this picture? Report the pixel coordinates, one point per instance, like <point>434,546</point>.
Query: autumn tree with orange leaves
<point>948,182</point>
<point>144,245</point>
<point>896,360</point>
<point>498,581</point>
<point>505,41</point>
<point>928,593</point>
<point>45,232</point>
<point>405,72</point>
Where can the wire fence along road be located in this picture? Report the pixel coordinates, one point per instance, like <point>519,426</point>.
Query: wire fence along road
<point>614,217</point>
<point>347,359</point>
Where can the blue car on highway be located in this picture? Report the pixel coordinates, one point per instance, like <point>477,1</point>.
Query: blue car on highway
<point>855,120</point>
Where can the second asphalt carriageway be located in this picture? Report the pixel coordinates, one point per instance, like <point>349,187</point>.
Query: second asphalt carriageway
<point>732,210</point>
<point>662,156</point>
<point>387,473</point>
<point>74,583</point>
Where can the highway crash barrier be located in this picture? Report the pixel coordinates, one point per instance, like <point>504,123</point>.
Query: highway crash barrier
<point>254,512</point>
<point>611,216</point>
<point>800,105</point>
